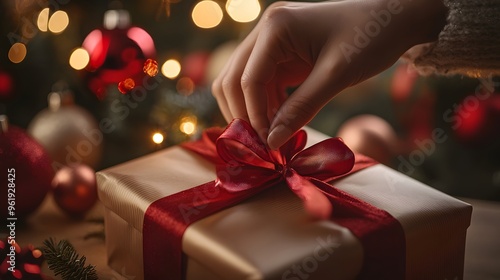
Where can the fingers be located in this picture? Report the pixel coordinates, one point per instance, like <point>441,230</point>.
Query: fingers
<point>323,83</point>
<point>241,87</point>
<point>256,79</point>
<point>222,101</point>
<point>226,88</point>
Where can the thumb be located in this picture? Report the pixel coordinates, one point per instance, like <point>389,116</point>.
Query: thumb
<point>322,84</point>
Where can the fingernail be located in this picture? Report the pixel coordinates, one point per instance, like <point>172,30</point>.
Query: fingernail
<point>263,134</point>
<point>278,136</point>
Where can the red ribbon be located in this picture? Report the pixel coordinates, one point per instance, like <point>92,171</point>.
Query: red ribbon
<point>245,166</point>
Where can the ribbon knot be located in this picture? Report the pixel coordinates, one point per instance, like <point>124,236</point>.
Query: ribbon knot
<point>280,168</point>
<point>247,164</point>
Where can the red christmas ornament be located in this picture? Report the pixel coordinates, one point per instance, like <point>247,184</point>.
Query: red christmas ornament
<point>117,52</point>
<point>75,189</point>
<point>26,172</point>
<point>194,66</point>
<point>403,83</point>
<point>27,261</point>
<point>413,100</point>
<point>6,86</point>
<point>476,119</point>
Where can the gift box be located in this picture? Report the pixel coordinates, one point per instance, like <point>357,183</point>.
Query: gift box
<point>270,235</point>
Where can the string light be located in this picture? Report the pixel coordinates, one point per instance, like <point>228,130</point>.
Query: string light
<point>207,14</point>
<point>157,138</point>
<point>171,68</point>
<point>188,125</point>
<point>17,52</point>
<point>58,22</point>
<point>79,59</point>
<point>150,67</point>
<point>43,20</point>
<point>243,10</point>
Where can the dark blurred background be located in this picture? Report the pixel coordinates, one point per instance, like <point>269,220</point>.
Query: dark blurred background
<point>443,131</point>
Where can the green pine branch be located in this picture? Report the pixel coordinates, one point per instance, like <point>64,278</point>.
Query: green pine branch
<point>63,260</point>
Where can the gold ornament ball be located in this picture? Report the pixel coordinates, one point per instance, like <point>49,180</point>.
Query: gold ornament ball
<point>68,132</point>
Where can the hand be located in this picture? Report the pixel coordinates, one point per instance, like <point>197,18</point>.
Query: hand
<point>323,47</point>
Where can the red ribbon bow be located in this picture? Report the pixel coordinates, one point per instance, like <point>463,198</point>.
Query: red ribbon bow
<point>253,165</point>
<point>245,166</point>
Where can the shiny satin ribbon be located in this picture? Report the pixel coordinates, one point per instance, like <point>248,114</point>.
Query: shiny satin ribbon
<point>245,166</point>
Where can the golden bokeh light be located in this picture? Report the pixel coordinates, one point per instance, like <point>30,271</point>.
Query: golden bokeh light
<point>243,10</point>
<point>43,20</point>
<point>58,22</point>
<point>188,125</point>
<point>17,52</point>
<point>171,68</point>
<point>157,138</point>
<point>79,59</point>
<point>207,14</point>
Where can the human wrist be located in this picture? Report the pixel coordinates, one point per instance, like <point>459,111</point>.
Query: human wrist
<point>426,18</point>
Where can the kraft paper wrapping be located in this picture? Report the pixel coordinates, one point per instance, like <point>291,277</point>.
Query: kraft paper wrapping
<point>270,236</point>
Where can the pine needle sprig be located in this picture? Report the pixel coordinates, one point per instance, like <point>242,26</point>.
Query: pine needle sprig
<point>63,260</point>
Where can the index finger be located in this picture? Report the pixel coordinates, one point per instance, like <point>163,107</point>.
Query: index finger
<point>258,73</point>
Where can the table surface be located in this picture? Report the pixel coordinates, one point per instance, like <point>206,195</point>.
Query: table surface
<point>482,258</point>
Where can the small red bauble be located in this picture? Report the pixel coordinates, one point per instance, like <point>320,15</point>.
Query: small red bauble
<point>117,52</point>
<point>6,86</point>
<point>476,119</point>
<point>75,189</point>
<point>194,66</point>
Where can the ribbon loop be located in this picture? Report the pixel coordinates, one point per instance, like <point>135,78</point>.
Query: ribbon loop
<point>241,135</point>
<point>296,144</point>
<point>324,160</point>
<point>240,147</point>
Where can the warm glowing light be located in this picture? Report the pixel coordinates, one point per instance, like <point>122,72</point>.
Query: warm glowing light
<point>207,14</point>
<point>126,85</point>
<point>157,138</point>
<point>188,126</point>
<point>17,52</point>
<point>31,268</point>
<point>58,22</point>
<point>150,67</point>
<point>185,86</point>
<point>43,20</point>
<point>79,59</point>
<point>171,68</point>
<point>36,253</point>
<point>243,10</point>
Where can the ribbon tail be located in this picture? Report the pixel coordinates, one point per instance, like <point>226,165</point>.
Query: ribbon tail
<point>205,146</point>
<point>381,235</point>
<point>315,202</point>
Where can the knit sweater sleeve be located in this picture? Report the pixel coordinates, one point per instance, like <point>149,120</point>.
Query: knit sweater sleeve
<point>469,44</point>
